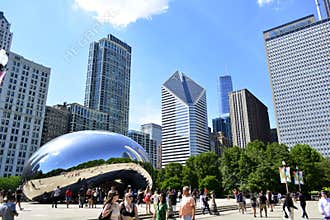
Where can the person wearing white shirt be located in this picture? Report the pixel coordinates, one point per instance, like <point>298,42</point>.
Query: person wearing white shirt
<point>324,205</point>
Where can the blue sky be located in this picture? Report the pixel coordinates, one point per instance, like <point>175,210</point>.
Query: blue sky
<point>202,38</point>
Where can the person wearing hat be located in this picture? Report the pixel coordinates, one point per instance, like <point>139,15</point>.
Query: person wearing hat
<point>110,209</point>
<point>128,209</point>
<point>324,205</point>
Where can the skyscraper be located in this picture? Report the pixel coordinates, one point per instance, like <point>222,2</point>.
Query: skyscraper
<point>23,95</point>
<point>5,35</point>
<point>56,122</point>
<point>147,143</point>
<point>108,81</point>
<point>249,118</point>
<point>155,132</point>
<point>298,65</point>
<point>223,125</point>
<point>225,87</point>
<point>184,119</point>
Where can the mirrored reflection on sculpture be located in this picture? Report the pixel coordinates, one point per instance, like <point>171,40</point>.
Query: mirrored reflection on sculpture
<point>85,159</point>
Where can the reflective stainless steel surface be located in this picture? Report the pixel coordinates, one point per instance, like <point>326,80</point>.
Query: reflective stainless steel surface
<point>59,158</point>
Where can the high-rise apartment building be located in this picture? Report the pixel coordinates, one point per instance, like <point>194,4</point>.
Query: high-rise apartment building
<point>249,118</point>
<point>83,118</point>
<point>5,35</point>
<point>184,119</point>
<point>155,132</point>
<point>225,87</point>
<point>56,122</point>
<point>147,143</point>
<point>108,81</point>
<point>23,95</point>
<point>298,65</point>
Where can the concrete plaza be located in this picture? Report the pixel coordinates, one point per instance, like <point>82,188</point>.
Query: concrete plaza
<point>45,212</point>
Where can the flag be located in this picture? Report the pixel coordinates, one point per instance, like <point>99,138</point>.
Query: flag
<point>287,174</point>
<point>2,75</point>
<point>3,62</point>
<point>282,174</point>
<point>298,177</point>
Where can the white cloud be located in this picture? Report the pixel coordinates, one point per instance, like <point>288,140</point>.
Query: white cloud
<point>120,13</point>
<point>264,2</point>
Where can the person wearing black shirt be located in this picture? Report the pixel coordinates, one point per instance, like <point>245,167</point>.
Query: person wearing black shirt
<point>302,200</point>
<point>262,203</point>
<point>288,203</point>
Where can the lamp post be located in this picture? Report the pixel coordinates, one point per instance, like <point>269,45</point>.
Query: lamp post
<point>286,181</point>
<point>297,170</point>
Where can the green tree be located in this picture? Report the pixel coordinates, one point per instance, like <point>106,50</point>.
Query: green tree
<point>230,168</point>
<point>173,170</point>
<point>307,160</point>
<point>189,173</point>
<point>211,183</point>
<point>171,183</point>
<point>11,182</point>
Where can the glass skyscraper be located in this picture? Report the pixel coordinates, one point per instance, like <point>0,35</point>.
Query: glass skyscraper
<point>225,87</point>
<point>298,64</point>
<point>184,119</point>
<point>108,81</point>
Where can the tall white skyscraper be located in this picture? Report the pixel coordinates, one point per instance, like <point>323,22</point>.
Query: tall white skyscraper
<point>298,56</point>
<point>5,35</point>
<point>23,95</point>
<point>184,119</point>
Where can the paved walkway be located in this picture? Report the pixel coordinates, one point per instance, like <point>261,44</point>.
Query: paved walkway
<point>45,212</point>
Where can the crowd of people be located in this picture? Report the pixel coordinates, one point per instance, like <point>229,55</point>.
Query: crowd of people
<point>124,205</point>
<point>266,201</point>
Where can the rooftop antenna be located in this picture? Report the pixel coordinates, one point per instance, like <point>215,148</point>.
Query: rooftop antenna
<point>318,9</point>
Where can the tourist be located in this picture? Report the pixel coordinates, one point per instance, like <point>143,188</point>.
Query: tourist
<point>111,210</point>
<point>155,198</point>
<point>2,196</point>
<point>187,207</point>
<point>147,199</point>
<point>18,197</point>
<point>324,205</point>
<point>194,195</point>
<point>270,200</point>
<point>214,207</point>
<point>240,202</point>
<point>262,204</point>
<point>81,197</point>
<point>172,198</point>
<point>89,197</point>
<point>288,204</point>
<point>128,209</point>
<point>68,196</point>
<point>56,196</point>
<point>302,200</point>
<point>254,205</point>
<point>204,203</point>
<point>8,209</point>
<point>161,210</point>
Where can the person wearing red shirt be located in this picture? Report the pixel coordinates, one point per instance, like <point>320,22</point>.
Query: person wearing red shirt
<point>68,196</point>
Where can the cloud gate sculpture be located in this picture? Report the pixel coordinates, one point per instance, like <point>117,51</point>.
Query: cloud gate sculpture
<point>85,159</point>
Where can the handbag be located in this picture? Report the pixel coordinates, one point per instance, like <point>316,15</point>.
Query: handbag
<point>107,217</point>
